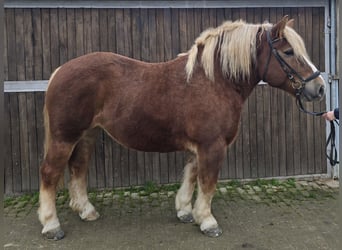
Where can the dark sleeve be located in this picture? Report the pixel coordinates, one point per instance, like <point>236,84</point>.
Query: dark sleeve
<point>336,113</point>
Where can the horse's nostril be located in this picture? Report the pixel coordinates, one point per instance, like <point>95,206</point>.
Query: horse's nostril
<point>321,91</point>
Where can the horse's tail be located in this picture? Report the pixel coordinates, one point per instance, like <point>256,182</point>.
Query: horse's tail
<point>47,133</point>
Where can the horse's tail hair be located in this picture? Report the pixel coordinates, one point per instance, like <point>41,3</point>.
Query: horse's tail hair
<point>47,134</point>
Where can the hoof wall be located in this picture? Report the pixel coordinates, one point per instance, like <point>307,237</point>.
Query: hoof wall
<point>213,232</point>
<point>56,234</point>
<point>186,218</point>
<point>91,216</point>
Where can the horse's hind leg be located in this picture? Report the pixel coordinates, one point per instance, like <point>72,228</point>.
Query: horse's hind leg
<point>185,192</point>
<point>51,170</point>
<point>209,161</point>
<point>78,166</point>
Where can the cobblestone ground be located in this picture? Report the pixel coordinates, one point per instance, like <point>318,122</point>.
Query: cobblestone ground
<point>261,214</point>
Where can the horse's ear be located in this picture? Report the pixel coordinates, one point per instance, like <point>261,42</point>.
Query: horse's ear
<point>290,23</point>
<point>278,29</point>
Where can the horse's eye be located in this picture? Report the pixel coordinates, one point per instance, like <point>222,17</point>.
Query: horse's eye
<point>289,52</point>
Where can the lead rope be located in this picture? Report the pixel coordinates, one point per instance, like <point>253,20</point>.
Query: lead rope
<point>332,156</point>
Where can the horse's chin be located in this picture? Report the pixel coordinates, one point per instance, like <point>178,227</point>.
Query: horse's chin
<point>308,97</point>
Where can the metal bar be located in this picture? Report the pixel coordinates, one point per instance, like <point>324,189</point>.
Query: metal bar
<point>25,86</point>
<point>37,86</point>
<point>161,4</point>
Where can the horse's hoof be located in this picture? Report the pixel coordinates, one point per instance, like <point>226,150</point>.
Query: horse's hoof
<point>213,232</point>
<point>55,234</point>
<point>186,218</point>
<point>94,215</point>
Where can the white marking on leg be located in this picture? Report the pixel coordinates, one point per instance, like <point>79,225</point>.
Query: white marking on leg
<point>47,211</point>
<point>202,211</point>
<point>185,192</point>
<point>79,200</point>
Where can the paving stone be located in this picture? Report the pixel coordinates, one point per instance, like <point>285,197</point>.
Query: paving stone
<point>135,196</point>
<point>257,189</point>
<point>332,183</point>
<point>170,193</point>
<point>223,190</point>
<point>240,191</point>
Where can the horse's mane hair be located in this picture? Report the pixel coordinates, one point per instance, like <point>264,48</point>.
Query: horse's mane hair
<point>235,42</point>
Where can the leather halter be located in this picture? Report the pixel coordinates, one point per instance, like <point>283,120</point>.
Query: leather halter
<point>298,85</point>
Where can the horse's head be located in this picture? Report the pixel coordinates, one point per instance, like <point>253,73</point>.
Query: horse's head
<point>284,63</point>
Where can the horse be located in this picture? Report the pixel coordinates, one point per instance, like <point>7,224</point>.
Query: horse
<point>190,103</point>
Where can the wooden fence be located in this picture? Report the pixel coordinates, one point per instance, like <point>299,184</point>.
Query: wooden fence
<point>274,139</point>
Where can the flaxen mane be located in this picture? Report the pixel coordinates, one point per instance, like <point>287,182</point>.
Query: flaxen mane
<point>235,43</point>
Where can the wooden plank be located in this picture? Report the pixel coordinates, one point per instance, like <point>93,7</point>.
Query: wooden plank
<point>54,39</point>
<point>8,164</point>
<point>172,174</point>
<point>175,40</point>
<point>95,30</point>
<point>167,34</point>
<point>63,36</point>
<point>103,32</point>
<point>111,30</point>
<point>87,31</point>
<point>99,161</point>
<point>108,161</point>
<point>5,47</point>
<point>133,167</point>
<point>127,29</point>
<point>23,134</point>
<point>152,28</point>
<point>32,142</point>
<point>141,168</point>
<point>160,41</point>
<point>136,34</point>
<point>39,99</point>
<point>11,45</point>
<point>148,164</point>
<point>28,45</point>
<point>183,41</point>
<point>15,141</point>
<point>71,33</point>
<point>180,163</point>
<point>46,50</point>
<point>37,44</point>
<point>117,165</point>
<point>79,29</point>
<point>190,29</point>
<point>19,41</point>
<point>156,168</point>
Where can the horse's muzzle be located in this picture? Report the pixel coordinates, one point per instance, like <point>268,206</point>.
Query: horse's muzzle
<point>313,90</point>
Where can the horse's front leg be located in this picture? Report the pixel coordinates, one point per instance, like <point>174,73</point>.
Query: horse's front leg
<point>184,194</point>
<point>209,163</point>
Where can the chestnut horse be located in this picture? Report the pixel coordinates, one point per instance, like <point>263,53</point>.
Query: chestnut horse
<point>192,103</point>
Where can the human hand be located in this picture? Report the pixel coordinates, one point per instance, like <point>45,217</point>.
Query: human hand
<point>329,116</point>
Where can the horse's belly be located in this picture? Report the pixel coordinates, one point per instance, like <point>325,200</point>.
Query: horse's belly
<point>145,138</point>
